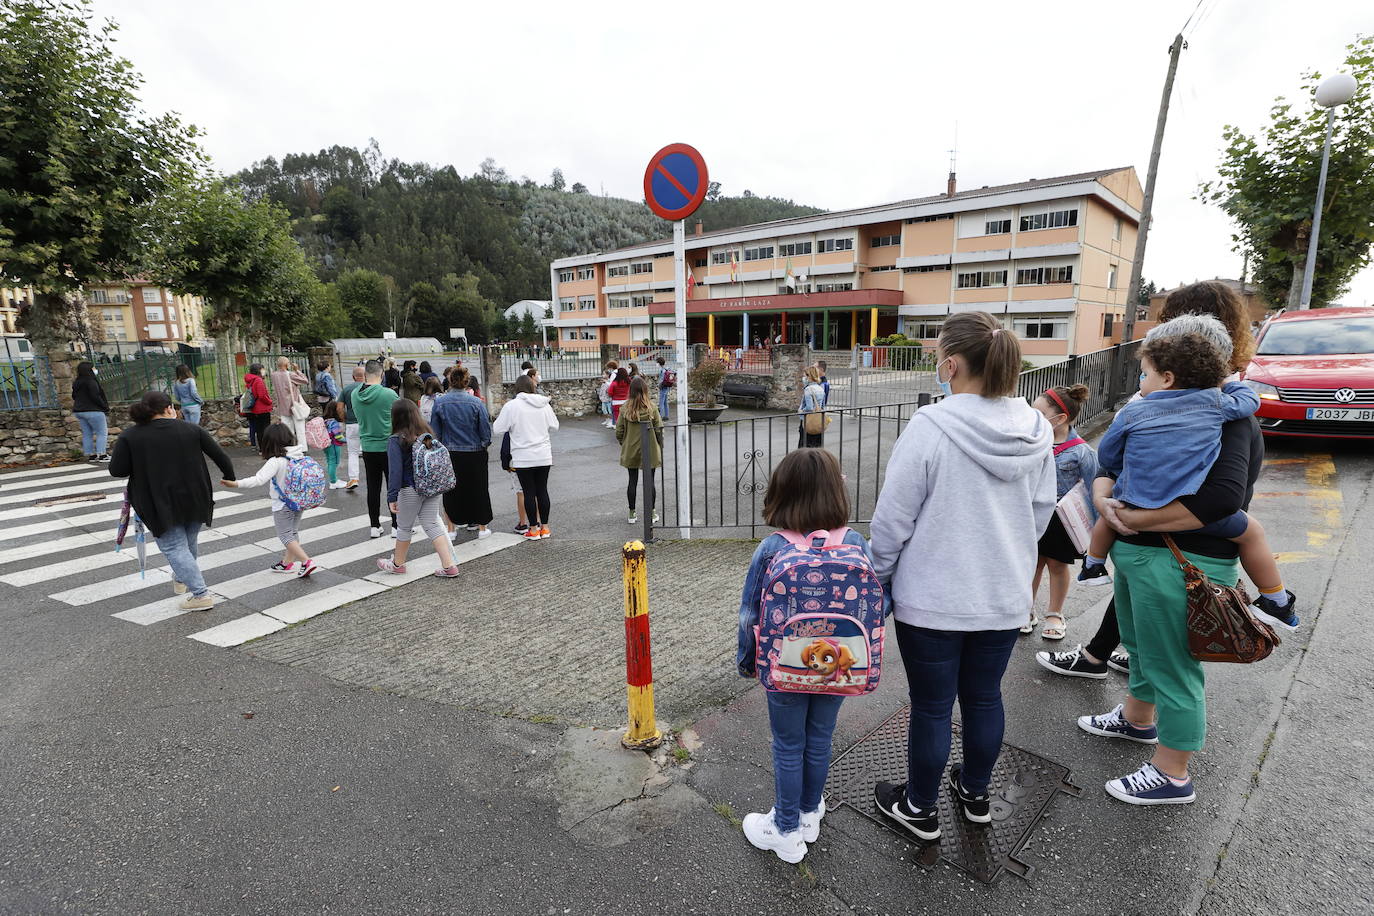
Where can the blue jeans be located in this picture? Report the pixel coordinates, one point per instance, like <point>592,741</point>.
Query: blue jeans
<point>663,402</point>
<point>93,427</point>
<point>178,545</point>
<point>940,666</point>
<point>802,727</point>
<point>191,413</point>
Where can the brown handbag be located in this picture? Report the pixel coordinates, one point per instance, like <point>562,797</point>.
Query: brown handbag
<point>1220,625</point>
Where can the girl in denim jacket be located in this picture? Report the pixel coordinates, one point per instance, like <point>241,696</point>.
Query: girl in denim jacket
<point>806,493</point>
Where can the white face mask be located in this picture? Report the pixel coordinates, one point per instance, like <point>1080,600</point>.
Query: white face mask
<point>945,388</point>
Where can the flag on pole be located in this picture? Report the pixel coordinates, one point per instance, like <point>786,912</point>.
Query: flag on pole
<point>791,279</point>
<point>691,280</point>
<point>734,269</point>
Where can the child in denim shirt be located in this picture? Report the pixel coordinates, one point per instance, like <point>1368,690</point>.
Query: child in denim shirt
<point>1161,446</point>
<point>806,493</point>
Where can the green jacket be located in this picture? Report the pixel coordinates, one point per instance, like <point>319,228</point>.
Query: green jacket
<point>630,437</point>
<point>372,407</point>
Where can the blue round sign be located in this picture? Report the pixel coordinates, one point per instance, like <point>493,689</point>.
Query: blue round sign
<point>675,182</point>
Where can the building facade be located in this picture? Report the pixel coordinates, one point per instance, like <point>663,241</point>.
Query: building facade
<point>1051,257</point>
<point>132,311</point>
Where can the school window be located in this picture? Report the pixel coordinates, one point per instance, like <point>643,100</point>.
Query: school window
<point>565,276</point>
<point>98,297</point>
<point>792,249</point>
<point>622,270</point>
<point>641,300</point>
<point>1040,276</point>
<point>1111,277</point>
<point>1116,229</point>
<point>996,226</point>
<point>785,290</point>
<point>152,294</point>
<point>642,267</point>
<point>982,278</point>
<point>926,330</point>
<point>157,330</point>
<point>1108,320</point>
<point>663,254</point>
<point>834,287</point>
<point>618,302</point>
<point>586,304</point>
<point>827,245</point>
<point>885,241</point>
<point>571,335</point>
<point>925,269</point>
<point>699,262</point>
<point>724,257</point>
<point>566,305</point>
<point>1053,220</point>
<point>762,253</point>
<point>935,218</point>
<point>1039,329</point>
<point>878,270</point>
<point>586,273</point>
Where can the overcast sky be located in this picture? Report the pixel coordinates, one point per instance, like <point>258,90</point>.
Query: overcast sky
<point>832,104</point>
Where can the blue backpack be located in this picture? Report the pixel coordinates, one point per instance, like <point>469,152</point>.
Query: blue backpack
<point>305,485</point>
<point>433,469</point>
<point>821,617</point>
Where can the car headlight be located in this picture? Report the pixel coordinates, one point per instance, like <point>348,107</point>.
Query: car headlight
<point>1264,390</point>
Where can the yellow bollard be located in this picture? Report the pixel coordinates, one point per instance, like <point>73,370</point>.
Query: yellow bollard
<point>643,732</point>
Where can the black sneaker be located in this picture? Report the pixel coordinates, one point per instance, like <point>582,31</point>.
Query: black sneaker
<point>1282,617</point>
<point>1094,574</point>
<point>977,808</point>
<point>1120,661</point>
<point>892,804</point>
<point>1072,663</point>
<point>521,529</point>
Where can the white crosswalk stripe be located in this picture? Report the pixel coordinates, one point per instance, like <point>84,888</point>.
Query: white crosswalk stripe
<point>59,470</point>
<point>107,498</point>
<point>107,517</point>
<point>46,482</point>
<point>33,496</point>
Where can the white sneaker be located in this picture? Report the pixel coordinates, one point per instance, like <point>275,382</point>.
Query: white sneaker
<point>483,533</point>
<point>453,536</point>
<point>634,517</point>
<point>811,823</point>
<point>762,833</point>
<point>374,532</point>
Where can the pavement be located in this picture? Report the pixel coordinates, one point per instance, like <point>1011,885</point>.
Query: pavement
<point>453,746</point>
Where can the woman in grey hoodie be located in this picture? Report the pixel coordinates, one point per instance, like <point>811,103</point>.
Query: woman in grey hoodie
<point>970,488</point>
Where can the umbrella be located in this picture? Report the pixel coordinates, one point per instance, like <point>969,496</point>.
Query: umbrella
<point>126,515</point>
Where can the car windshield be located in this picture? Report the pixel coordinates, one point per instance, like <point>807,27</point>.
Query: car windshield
<point>1318,337</point>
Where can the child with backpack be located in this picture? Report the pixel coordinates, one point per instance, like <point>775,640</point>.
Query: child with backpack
<point>298,483</point>
<point>811,630</point>
<point>326,432</point>
<point>419,472</point>
<point>603,394</point>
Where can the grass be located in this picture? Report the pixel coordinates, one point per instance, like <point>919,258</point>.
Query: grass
<point>681,754</point>
<point>728,813</point>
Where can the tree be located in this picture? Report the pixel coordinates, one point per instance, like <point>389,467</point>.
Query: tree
<point>579,188</point>
<point>423,312</point>
<point>529,331</point>
<point>80,162</point>
<point>500,328</point>
<point>493,172</point>
<point>363,294</point>
<point>467,307</point>
<point>344,211</point>
<point>713,191</point>
<point>1268,185</point>
<point>327,321</point>
<point>557,182</point>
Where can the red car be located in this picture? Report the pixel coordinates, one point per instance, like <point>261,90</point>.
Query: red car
<point>1314,373</point>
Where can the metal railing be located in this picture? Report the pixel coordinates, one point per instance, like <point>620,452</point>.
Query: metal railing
<point>26,381</point>
<point>1109,375</point>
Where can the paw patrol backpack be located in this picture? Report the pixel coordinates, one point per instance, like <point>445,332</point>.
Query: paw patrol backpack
<point>821,616</point>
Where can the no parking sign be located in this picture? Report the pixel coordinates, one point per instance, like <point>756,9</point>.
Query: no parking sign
<point>675,182</point>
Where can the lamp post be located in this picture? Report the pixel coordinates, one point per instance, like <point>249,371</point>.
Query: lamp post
<point>1336,90</point>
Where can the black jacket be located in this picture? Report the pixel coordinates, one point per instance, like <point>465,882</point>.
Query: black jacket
<point>168,482</point>
<point>87,395</point>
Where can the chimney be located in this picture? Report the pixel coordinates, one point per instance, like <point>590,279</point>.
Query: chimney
<point>949,190</point>
<point>697,228</point>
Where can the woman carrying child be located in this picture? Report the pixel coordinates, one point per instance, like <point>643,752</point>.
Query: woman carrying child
<point>407,427</point>
<point>277,445</point>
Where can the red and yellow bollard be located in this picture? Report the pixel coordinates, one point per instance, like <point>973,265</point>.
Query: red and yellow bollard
<point>643,732</point>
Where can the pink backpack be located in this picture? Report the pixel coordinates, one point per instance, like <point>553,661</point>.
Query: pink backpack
<point>821,617</point>
<point>316,435</point>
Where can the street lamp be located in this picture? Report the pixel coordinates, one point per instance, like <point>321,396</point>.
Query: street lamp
<point>1336,90</point>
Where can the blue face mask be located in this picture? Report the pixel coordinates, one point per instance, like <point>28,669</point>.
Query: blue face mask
<point>945,388</point>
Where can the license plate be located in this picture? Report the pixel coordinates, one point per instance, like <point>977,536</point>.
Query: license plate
<point>1365,414</point>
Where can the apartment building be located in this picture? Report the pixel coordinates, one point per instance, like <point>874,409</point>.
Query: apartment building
<point>131,311</point>
<point>1051,257</point>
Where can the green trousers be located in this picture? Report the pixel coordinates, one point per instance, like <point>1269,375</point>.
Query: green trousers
<point>1152,609</point>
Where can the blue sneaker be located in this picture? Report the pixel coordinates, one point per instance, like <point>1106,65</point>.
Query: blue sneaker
<point>1114,725</point>
<point>1148,786</point>
<point>1094,574</point>
<point>1283,618</point>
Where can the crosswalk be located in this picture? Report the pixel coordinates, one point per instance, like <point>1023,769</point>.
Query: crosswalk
<point>64,551</point>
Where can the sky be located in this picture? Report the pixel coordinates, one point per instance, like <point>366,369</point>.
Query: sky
<point>830,104</point>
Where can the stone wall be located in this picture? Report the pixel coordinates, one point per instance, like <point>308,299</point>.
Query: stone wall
<point>784,382</point>
<point>567,397</point>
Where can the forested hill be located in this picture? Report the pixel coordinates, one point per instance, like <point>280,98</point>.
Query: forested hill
<point>419,223</point>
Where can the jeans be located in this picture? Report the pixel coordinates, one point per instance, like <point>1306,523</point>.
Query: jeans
<point>534,483</point>
<point>663,402</point>
<point>93,429</point>
<point>355,446</point>
<point>191,413</point>
<point>178,545</point>
<point>940,666</point>
<point>802,726</point>
<point>375,463</point>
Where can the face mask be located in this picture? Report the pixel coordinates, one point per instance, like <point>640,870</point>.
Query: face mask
<point>945,388</point>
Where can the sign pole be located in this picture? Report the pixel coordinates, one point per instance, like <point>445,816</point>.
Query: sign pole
<point>684,441</point>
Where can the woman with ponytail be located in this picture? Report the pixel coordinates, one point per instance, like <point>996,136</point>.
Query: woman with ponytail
<point>169,488</point>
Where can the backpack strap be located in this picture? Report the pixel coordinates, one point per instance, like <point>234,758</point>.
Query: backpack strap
<point>833,538</point>
<point>1068,444</point>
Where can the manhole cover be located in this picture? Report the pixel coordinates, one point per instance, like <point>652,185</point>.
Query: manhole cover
<point>65,500</point>
<point>1023,785</point>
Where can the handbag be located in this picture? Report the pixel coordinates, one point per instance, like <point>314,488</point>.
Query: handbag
<point>299,409</point>
<point>1220,626</point>
<point>815,422</point>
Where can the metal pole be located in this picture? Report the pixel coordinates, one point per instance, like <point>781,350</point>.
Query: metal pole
<point>1306,301</point>
<point>646,469</point>
<point>1142,234</point>
<point>684,456</point>
<point>643,732</point>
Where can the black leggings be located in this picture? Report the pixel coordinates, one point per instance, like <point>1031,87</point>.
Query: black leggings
<point>257,425</point>
<point>1108,635</point>
<point>534,483</point>
<point>375,464</point>
<point>633,485</point>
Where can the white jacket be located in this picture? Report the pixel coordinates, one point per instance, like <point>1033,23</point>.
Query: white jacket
<point>274,469</point>
<point>529,419</point>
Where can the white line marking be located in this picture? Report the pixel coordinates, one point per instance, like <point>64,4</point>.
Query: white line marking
<point>311,534</point>
<point>237,632</point>
<point>109,483</point>
<point>31,511</point>
<point>7,487</point>
<point>157,575</point>
<point>35,472</point>
<point>265,522</point>
<point>154,612</point>
<point>105,517</point>
<point>307,606</point>
<point>462,553</point>
<point>60,545</point>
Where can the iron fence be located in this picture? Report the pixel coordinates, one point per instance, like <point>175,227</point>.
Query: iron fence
<point>1108,374</point>
<point>26,380</point>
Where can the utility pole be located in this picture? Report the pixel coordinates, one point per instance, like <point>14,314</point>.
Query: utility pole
<point>1143,233</point>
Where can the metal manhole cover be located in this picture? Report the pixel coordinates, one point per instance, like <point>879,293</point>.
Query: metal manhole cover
<point>65,500</point>
<point>1023,786</point>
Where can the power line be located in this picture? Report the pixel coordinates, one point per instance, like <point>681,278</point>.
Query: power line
<point>1192,14</point>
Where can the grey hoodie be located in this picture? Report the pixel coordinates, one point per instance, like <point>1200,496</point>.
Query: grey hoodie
<point>970,487</point>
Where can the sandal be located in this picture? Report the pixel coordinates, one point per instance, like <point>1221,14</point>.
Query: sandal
<point>1029,627</point>
<point>1051,630</point>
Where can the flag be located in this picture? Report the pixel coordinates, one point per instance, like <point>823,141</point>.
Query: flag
<point>691,280</point>
<point>791,280</point>
<point>734,268</point>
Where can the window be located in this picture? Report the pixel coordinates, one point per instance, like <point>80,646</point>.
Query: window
<point>622,270</point>
<point>567,305</point>
<point>586,304</point>
<point>175,332</point>
<point>1039,276</point>
<point>762,253</point>
<point>157,330</point>
<point>171,313</point>
<point>834,287</point>
<point>981,278</point>
<point>663,254</point>
<point>119,295</point>
<point>152,294</point>
<point>98,297</point>
<point>571,335</point>
<point>930,219</point>
<point>1041,328</point>
<point>1052,220</point>
<point>113,322</point>
<point>586,273</point>
<point>925,269</point>
<point>794,248</point>
<point>1111,277</point>
<point>885,241</point>
<point>1116,229</point>
<point>878,270</point>
<point>723,257</point>
<point>785,290</point>
<point>618,302</point>
<point>698,262</point>
<point>1107,321</point>
<point>825,245</point>
<point>641,300</point>
<point>566,276</point>
<point>642,267</point>
<point>153,313</point>
<point>997,226</point>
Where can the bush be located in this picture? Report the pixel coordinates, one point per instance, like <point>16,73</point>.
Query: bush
<point>703,380</point>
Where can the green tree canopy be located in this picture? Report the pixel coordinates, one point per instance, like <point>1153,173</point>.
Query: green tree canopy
<point>364,296</point>
<point>1268,184</point>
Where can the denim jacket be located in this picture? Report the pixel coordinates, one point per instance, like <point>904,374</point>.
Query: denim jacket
<point>461,422</point>
<point>1161,446</point>
<point>813,398</point>
<point>1074,464</point>
<point>753,587</point>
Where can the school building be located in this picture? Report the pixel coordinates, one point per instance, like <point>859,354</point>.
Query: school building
<point>1051,257</point>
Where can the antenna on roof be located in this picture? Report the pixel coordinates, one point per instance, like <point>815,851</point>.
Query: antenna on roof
<point>953,158</point>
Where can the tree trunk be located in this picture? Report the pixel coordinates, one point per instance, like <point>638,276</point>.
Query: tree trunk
<point>1295,287</point>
